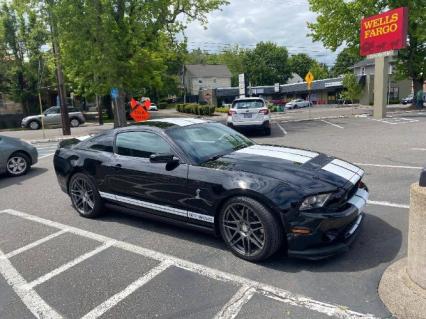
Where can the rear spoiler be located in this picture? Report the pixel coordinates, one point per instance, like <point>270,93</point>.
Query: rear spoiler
<point>72,141</point>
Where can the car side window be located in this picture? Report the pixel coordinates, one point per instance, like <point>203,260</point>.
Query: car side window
<point>102,143</point>
<point>141,144</point>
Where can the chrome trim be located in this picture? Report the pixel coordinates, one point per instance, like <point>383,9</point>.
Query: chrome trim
<point>162,208</point>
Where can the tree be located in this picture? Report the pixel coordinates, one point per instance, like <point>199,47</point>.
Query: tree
<point>267,64</point>
<point>345,60</point>
<point>345,16</point>
<point>353,89</point>
<point>301,64</point>
<point>320,71</point>
<point>123,43</point>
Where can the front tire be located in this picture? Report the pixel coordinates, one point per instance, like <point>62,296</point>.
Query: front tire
<point>18,164</point>
<point>84,195</point>
<point>249,229</point>
<point>34,125</point>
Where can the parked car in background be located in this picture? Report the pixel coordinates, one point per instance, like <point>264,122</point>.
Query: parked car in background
<point>192,172</point>
<point>153,107</point>
<point>52,117</point>
<point>16,156</point>
<point>298,103</point>
<point>407,100</point>
<point>250,112</point>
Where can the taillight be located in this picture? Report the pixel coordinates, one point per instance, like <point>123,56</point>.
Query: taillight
<point>264,111</point>
<point>231,112</point>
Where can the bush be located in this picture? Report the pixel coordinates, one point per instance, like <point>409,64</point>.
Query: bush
<point>222,109</point>
<point>195,109</point>
<point>162,105</point>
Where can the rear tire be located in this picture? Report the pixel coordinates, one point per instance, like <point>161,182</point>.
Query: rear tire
<point>18,164</point>
<point>249,229</point>
<point>84,196</point>
<point>74,122</point>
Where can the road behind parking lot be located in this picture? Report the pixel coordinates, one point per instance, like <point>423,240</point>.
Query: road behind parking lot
<point>124,266</point>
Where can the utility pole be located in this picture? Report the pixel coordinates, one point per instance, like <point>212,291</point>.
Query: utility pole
<point>66,130</point>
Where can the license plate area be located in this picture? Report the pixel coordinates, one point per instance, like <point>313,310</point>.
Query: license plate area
<point>248,115</point>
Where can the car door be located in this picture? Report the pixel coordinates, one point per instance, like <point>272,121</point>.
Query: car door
<point>133,180</point>
<point>52,116</point>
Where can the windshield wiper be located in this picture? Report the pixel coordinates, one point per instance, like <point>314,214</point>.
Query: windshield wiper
<point>213,158</point>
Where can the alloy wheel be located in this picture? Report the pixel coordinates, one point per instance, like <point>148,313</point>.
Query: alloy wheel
<point>34,125</point>
<point>82,195</point>
<point>16,165</point>
<point>75,123</point>
<point>243,229</point>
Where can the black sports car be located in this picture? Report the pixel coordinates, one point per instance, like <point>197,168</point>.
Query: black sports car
<point>206,175</point>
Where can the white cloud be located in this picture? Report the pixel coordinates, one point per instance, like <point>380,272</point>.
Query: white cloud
<point>247,22</point>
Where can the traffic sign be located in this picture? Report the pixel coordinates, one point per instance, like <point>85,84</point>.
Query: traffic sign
<point>309,78</point>
<point>114,93</point>
<point>139,114</point>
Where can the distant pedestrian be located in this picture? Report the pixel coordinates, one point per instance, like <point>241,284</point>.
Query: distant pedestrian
<point>419,99</point>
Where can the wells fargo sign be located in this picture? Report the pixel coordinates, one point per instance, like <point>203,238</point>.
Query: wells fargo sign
<point>384,32</point>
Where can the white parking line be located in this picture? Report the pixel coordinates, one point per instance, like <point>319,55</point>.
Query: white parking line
<point>34,244</point>
<point>44,156</point>
<point>236,303</point>
<point>68,265</point>
<point>38,307</point>
<point>114,300</point>
<point>378,203</point>
<point>282,129</point>
<point>261,288</point>
<point>327,122</point>
<point>418,149</point>
<point>389,166</point>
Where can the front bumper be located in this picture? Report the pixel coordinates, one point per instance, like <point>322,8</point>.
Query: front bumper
<point>333,232</point>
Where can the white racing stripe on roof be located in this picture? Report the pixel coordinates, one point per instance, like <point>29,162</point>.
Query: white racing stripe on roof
<point>275,152</point>
<point>180,121</point>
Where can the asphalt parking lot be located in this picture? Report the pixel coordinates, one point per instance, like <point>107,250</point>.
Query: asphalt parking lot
<point>57,264</point>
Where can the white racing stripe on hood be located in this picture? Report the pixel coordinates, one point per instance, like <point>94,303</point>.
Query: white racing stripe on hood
<point>345,170</point>
<point>292,155</point>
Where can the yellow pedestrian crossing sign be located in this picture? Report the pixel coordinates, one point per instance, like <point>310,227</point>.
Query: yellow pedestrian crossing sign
<point>309,78</point>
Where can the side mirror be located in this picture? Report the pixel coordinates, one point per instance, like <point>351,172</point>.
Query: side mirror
<point>170,160</point>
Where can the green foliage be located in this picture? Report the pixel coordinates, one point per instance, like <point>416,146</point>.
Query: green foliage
<point>301,64</point>
<point>320,71</point>
<point>267,64</point>
<point>222,109</point>
<point>338,23</point>
<point>353,88</point>
<point>345,60</point>
<point>197,109</point>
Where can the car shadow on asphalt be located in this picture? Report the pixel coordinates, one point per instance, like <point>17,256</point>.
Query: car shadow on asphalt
<point>378,243</point>
<point>6,181</point>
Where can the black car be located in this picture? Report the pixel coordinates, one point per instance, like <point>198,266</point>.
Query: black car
<point>206,175</point>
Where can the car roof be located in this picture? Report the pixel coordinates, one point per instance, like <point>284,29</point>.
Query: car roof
<point>248,98</point>
<point>166,123</point>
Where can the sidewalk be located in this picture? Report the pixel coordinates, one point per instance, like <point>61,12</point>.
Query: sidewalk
<point>55,134</point>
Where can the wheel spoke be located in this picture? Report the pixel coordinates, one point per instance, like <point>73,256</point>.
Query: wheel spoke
<point>255,242</point>
<point>257,239</point>
<point>231,227</point>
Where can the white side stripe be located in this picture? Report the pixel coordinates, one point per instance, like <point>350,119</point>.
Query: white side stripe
<point>161,208</point>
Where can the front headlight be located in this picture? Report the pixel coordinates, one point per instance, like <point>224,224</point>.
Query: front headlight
<point>315,201</point>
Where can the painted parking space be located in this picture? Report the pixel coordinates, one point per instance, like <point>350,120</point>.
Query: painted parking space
<point>117,279</point>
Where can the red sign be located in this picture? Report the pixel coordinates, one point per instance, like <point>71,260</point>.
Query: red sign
<point>139,114</point>
<point>384,32</point>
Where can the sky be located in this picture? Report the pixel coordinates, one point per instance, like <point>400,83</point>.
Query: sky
<point>247,22</point>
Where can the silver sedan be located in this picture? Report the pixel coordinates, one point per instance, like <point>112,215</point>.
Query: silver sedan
<point>16,156</point>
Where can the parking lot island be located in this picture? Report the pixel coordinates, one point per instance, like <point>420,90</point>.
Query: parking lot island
<point>403,285</point>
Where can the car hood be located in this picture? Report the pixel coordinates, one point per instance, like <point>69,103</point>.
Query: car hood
<point>300,168</point>
<point>31,117</point>
<point>17,142</point>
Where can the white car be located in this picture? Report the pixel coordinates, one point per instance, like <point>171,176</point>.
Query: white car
<point>153,107</point>
<point>250,112</point>
<point>294,104</point>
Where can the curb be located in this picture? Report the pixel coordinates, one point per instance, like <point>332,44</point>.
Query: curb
<point>403,298</point>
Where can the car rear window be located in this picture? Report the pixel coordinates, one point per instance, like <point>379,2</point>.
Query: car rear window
<point>248,104</point>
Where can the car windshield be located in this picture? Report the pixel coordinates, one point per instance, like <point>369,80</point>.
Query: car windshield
<point>247,104</point>
<point>205,142</point>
